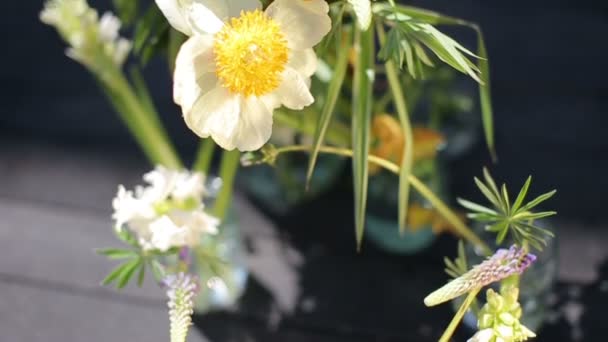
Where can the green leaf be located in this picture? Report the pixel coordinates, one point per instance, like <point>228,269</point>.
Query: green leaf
<point>492,185</point>
<point>127,237</point>
<point>116,254</point>
<point>475,207</point>
<point>522,195</point>
<point>487,193</point>
<point>363,11</point>
<point>158,270</point>
<point>141,276</point>
<point>151,34</point>
<point>333,92</point>
<point>538,200</point>
<point>127,10</point>
<point>485,96</point>
<point>128,272</point>
<point>176,39</point>
<point>505,197</point>
<point>116,272</point>
<point>361,120</point>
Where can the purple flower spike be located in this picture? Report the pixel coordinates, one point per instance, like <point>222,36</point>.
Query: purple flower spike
<point>504,263</point>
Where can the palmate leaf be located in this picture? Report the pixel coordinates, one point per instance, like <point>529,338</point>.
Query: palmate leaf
<point>459,266</point>
<point>333,92</point>
<point>361,120</point>
<point>504,217</point>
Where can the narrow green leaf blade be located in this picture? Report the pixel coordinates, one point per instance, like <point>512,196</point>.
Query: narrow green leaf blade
<point>116,254</point>
<point>128,272</point>
<point>522,194</point>
<point>324,120</point>
<point>114,274</point>
<point>361,121</point>
<point>485,95</point>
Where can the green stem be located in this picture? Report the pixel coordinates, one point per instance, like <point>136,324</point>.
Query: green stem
<point>404,118</point>
<point>133,112</point>
<point>449,331</point>
<point>204,155</point>
<point>228,169</point>
<point>427,193</point>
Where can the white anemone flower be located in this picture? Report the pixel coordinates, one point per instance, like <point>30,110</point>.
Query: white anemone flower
<point>241,63</point>
<point>167,212</point>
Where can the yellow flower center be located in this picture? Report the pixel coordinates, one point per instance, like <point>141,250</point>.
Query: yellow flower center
<point>250,54</point>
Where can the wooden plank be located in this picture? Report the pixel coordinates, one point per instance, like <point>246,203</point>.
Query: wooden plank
<point>57,246</point>
<point>30,314</point>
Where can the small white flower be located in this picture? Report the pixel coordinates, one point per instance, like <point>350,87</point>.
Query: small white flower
<point>166,213</point>
<point>241,63</point>
<point>87,34</point>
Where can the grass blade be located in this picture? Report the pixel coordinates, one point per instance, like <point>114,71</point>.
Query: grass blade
<point>485,96</point>
<point>408,152</point>
<point>361,121</point>
<point>328,109</point>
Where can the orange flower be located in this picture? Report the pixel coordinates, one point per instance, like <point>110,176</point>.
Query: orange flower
<point>389,141</point>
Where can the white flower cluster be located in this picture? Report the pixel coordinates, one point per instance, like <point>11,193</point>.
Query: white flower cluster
<point>87,34</point>
<point>167,212</point>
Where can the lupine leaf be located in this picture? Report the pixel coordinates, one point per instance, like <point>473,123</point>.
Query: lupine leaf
<point>333,92</point>
<point>475,207</point>
<point>115,273</point>
<point>522,195</point>
<point>128,272</point>
<point>361,121</point>
<point>116,254</point>
<point>538,200</point>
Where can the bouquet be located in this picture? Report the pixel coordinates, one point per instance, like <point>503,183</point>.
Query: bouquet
<point>340,73</point>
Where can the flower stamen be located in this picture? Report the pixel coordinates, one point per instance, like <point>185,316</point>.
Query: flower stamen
<point>251,53</point>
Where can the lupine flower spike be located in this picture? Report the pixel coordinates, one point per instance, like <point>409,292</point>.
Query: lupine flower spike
<point>504,263</point>
<point>181,290</point>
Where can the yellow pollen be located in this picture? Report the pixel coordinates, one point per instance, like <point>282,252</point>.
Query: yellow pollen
<point>250,54</point>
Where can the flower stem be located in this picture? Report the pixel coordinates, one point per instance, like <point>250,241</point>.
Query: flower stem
<point>204,155</point>
<point>449,331</point>
<point>150,137</point>
<point>427,193</point>
<point>228,169</point>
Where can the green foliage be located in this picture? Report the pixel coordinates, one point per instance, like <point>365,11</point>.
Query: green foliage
<point>329,106</point>
<point>133,261</point>
<point>151,34</point>
<point>504,217</point>
<point>127,10</point>
<point>361,121</point>
<point>459,266</point>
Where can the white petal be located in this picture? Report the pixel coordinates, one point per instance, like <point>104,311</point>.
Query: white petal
<point>175,14</point>
<point>205,16</point>
<point>304,22</point>
<point>194,72</point>
<point>217,114</point>
<point>304,62</point>
<point>294,90</point>
<point>255,125</point>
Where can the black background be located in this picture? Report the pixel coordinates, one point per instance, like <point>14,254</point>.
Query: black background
<point>548,61</point>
